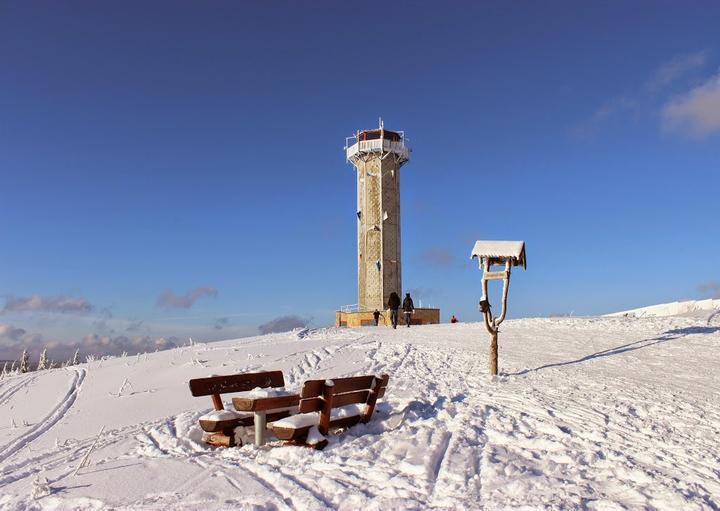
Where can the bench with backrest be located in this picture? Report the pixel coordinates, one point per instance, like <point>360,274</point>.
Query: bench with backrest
<point>220,426</point>
<point>328,404</point>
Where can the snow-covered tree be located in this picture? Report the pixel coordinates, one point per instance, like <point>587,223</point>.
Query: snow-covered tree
<point>24,362</point>
<point>76,358</point>
<point>43,362</point>
<point>4,371</point>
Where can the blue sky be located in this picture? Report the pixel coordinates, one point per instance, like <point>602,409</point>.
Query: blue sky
<point>175,169</point>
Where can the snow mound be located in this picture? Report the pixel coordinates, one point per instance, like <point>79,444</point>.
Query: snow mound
<point>690,307</point>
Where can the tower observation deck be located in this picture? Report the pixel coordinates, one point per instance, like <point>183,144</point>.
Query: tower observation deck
<point>377,155</point>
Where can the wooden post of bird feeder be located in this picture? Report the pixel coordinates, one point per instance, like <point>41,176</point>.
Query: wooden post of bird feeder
<point>489,253</point>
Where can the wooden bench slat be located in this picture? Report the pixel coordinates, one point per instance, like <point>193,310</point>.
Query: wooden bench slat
<point>314,388</point>
<point>313,404</point>
<point>373,397</point>
<point>247,404</point>
<point>235,383</point>
<point>359,396</point>
<point>211,426</point>
<point>220,439</point>
<point>384,379</point>
<point>291,433</point>
<point>328,393</point>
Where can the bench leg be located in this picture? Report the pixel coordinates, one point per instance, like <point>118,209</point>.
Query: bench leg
<point>260,425</point>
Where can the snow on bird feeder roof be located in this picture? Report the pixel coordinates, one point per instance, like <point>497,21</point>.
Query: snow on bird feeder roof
<point>497,252</point>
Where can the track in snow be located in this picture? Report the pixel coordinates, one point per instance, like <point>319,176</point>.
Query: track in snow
<point>57,413</point>
<point>6,394</point>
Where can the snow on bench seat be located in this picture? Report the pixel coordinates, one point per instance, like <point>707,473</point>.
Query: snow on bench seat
<point>259,392</point>
<point>326,404</point>
<point>260,399</point>
<point>219,420</point>
<point>222,415</point>
<point>303,420</point>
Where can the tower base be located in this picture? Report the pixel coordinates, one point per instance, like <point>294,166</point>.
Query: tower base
<point>365,318</point>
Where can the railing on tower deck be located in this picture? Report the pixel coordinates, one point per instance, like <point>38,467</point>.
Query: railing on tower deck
<point>377,146</point>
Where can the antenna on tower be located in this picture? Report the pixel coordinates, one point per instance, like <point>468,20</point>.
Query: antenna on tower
<point>381,124</point>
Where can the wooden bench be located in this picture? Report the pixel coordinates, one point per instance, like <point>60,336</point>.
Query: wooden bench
<point>325,395</point>
<point>222,431</point>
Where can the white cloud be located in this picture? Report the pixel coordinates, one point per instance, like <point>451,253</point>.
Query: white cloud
<point>437,256</point>
<point>711,287</point>
<point>645,99</point>
<point>283,324</point>
<point>677,68</point>
<point>221,323</point>
<point>10,332</point>
<point>37,303</point>
<point>14,340</point>
<point>116,345</point>
<point>695,113</point>
<point>169,299</point>
<point>611,108</point>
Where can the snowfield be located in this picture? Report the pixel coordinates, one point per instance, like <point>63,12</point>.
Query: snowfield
<point>709,307</point>
<point>592,413</point>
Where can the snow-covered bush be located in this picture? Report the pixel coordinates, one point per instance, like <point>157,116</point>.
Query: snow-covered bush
<point>43,362</point>
<point>41,488</point>
<point>24,362</point>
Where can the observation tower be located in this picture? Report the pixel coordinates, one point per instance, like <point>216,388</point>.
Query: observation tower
<point>377,155</point>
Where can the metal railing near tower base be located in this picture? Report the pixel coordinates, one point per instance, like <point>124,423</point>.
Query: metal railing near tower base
<point>353,307</point>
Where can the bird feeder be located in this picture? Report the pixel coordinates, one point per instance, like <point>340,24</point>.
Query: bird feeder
<point>489,254</point>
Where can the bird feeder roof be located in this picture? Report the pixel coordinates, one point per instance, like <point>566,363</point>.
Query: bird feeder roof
<point>497,252</point>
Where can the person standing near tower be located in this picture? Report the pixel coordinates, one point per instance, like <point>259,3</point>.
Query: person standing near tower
<point>394,305</point>
<point>408,308</point>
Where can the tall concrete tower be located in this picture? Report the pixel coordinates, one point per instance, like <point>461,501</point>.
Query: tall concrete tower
<point>377,155</point>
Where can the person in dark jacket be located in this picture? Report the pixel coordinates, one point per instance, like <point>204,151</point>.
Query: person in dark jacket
<point>376,316</point>
<point>408,308</point>
<point>394,305</point>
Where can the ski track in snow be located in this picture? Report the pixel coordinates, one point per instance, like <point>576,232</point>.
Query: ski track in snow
<point>56,414</point>
<point>588,413</point>
<point>12,389</point>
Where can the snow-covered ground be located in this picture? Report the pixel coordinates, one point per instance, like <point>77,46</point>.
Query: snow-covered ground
<point>596,413</point>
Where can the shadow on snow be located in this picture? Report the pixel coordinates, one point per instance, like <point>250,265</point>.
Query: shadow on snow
<point>644,343</point>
